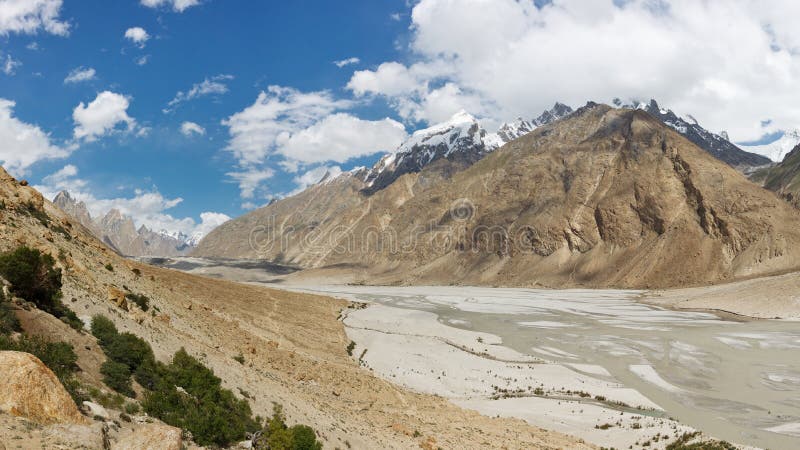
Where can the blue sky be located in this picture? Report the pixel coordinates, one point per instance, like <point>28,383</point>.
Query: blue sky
<point>256,44</point>
<point>185,112</point>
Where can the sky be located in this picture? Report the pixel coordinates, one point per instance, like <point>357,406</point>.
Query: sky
<point>184,113</point>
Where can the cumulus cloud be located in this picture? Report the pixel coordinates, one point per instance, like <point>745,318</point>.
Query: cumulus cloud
<point>176,5</point>
<point>346,62</point>
<point>299,130</point>
<point>340,137</point>
<point>24,144</point>
<point>250,180</point>
<point>210,86</point>
<point>80,75</point>
<point>102,116</point>
<point>10,65</point>
<point>31,16</point>
<point>314,176</point>
<point>190,128</point>
<point>146,207</point>
<point>137,35</point>
<point>731,64</point>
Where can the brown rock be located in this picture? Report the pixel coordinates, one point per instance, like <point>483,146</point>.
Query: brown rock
<point>164,318</point>
<point>117,297</point>
<point>151,437</point>
<point>23,182</point>
<point>29,389</point>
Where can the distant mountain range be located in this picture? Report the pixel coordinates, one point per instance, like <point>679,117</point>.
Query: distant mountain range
<point>777,150</point>
<point>119,231</point>
<point>600,196</point>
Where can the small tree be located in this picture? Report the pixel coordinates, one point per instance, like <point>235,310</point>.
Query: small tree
<point>33,276</point>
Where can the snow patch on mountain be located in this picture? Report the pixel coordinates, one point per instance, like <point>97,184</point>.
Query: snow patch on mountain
<point>777,150</point>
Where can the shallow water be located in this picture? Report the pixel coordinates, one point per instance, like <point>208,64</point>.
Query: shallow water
<point>738,381</point>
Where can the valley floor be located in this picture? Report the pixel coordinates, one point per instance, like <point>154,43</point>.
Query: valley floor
<point>569,360</point>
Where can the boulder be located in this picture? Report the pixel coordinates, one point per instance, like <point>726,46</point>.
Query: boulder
<point>30,390</point>
<point>95,410</point>
<point>117,297</point>
<point>151,437</point>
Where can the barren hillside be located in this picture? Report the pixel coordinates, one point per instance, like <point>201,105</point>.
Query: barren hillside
<point>291,346</point>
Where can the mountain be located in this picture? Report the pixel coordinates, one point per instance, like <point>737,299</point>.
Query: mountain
<point>119,232</point>
<point>783,178</point>
<point>603,198</point>
<point>713,143</point>
<point>778,149</point>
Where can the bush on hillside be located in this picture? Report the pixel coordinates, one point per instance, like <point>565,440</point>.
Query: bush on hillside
<point>142,301</point>
<point>126,354</point>
<point>277,436</point>
<point>35,278</point>
<point>8,320</point>
<point>212,414</point>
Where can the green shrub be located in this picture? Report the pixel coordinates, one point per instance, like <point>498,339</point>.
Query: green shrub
<point>37,214</point>
<point>126,354</point>
<point>109,267</point>
<point>212,414</point>
<point>35,278</point>
<point>277,436</point>
<point>60,357</point>
<point>117,376</point>
<point>8,320</point>
<point>141,301</point>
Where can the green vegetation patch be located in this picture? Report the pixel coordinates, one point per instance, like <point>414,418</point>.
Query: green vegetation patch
<point>35,278</point>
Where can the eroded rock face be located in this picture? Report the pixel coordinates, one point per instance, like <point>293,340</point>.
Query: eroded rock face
<point>151,437</point>
<point>29,389</point>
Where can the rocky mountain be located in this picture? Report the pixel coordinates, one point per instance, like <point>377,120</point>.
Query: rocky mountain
<point>461,140</point>
<point>119,232</point>
<point>783,178</point>
<point>604,197</point>
<point>716,144</point>
<point>777,150</point>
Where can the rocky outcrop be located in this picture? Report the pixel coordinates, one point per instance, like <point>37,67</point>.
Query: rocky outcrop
<point>151,437</point>
<point>29,389</point>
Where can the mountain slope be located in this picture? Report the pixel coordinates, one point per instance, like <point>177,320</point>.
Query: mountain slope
<point>717,145</point>
<point>604,197</point>
<point>119,232</point>
<point>783,178</point>
<point>293,345</point>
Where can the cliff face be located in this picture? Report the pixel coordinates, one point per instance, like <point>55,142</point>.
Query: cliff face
<point>605,197</point>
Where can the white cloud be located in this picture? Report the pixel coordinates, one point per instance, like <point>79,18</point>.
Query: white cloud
<point>142,60</point>
<point>346,62</point>
<point>80,75</point>
<point>314,176</point>
<point>10,65</point>
<point>250,180</point>
<point>137,35</point>
<point>340,137</point>
<point>189,128</point>
<point>276,114</point>
<point>148,208</point>
<point>210,86</point>
<point>24,144</point>
<point>30,16</point>
<point>299,129</point>
<point>176,5</point>
<point>731,64</point>
<point>102,116</point>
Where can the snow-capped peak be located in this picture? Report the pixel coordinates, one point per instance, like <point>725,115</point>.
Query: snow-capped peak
<point>778,149</point>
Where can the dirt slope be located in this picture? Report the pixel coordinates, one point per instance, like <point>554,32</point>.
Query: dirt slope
<point>607,197</point>
<point>293,345</point>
